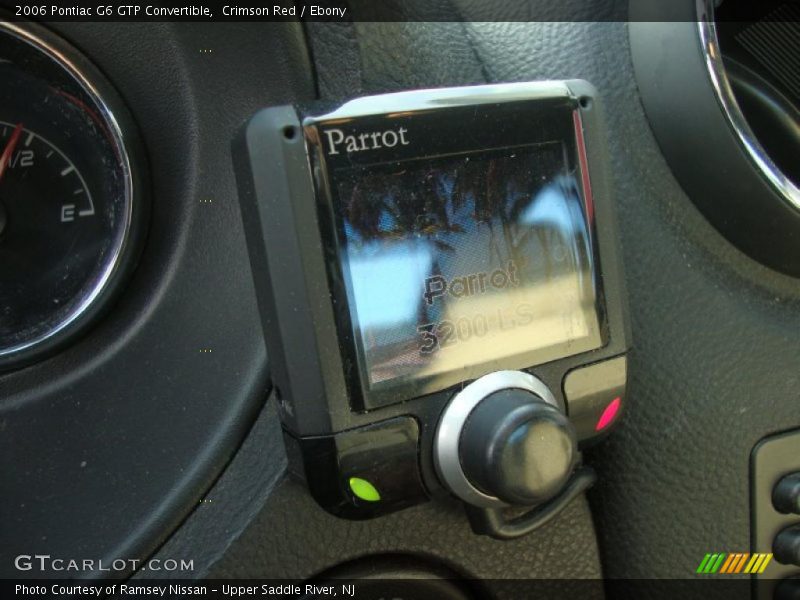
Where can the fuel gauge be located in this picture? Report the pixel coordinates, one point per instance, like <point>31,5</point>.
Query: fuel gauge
<point>70,206</point>
<point>57,175</point>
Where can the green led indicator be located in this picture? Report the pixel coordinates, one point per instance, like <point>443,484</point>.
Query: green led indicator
<point>364,489</point>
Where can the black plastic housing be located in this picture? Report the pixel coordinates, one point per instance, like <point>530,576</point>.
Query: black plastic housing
<point>285,192</point>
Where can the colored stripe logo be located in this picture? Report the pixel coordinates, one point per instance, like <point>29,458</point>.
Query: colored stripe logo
<point>733,563</point>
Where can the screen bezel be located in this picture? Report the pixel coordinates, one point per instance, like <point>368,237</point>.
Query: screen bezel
<point>524,123</point>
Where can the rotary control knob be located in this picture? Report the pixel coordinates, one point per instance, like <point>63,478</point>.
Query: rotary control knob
<point>504,440</point>
<point>517,447</point>
<point>786,546</point>
<point>786,495</point>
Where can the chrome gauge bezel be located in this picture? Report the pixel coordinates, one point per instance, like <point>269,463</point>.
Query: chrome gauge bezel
<point>118,261</point>
<point>723,90</point>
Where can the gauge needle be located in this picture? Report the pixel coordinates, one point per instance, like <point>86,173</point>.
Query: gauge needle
<point>5,158</point>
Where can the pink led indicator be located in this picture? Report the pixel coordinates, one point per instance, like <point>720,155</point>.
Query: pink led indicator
<point>609,414</point>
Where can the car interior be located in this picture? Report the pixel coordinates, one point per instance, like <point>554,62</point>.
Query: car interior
<point>400,299</point>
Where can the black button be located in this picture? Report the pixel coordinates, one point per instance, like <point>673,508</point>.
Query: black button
<point>786,495</point>
<point>788,589</point>
<point>786,546</point>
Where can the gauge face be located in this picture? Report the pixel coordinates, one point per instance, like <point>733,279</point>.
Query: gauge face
<point>67,209</point>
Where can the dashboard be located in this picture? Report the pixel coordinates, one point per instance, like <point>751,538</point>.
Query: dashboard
<point>236,338</point>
